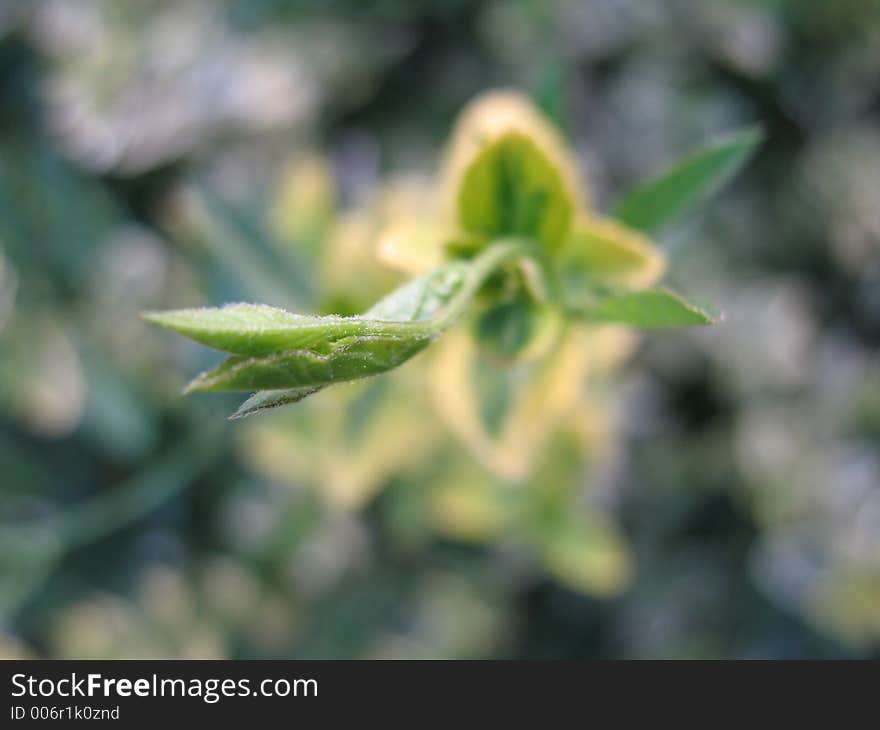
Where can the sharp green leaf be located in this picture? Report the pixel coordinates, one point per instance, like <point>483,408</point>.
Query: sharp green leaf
<point>657,202</point>
<point>417,300</point>
<point>256,330</point>
<point>648,309</point>
<point>286,356</point>
<point>265,400</point>
<point>351,358</point>
<point>421,298</point>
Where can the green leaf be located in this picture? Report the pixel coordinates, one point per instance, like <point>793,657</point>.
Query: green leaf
<point>325,349</point>
<point>659,201</point>
<point>585,552</point>
<point>513,189</point>
<point>647,309</point>
<point>513,327</point>
<point>507,328</point>
<point>350,359</point>
<point>296,355</point>
<point>606,252</point>
<point>417,300</point>
<point>421,298</point>
<point>257,330</point>
<point>264,400</point>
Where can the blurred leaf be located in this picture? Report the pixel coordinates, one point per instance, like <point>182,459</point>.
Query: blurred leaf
<point>550,91</point>
<point>53,220</point>
<point>654,204</point>
<point>163,477</point>
<point>511,328</point>
<point>29,553</point>
<point>649,309</point>
<point>522,418</point>
<point>585,552</point>
<point>413,245</point>
<point>238,247</point>
<point>304,203</point>
<point>505,126</point>
<point>467,504</point>
<point>119,416</point>
<point>603,250</point>
<point>513,188</point>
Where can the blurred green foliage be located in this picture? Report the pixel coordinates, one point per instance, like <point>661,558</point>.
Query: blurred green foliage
<point>717,496</point>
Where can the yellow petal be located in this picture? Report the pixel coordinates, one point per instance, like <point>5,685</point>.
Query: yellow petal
<point>546,393</point>
<point>467,505</point>
<point>412,246</point>
<point>412,236</point>
<point>316,446</point>
<point>305,199</point>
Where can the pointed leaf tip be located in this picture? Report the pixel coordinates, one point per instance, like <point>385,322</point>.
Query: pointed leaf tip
<point>670,194</point>
<point>265,400</point>
<point>648,309</point>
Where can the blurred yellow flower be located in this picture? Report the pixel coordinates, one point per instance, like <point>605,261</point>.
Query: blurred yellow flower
<point>305,201</point>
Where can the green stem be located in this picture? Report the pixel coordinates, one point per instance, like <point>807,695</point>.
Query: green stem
<point>481,268</point>
<point>477,271</point>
